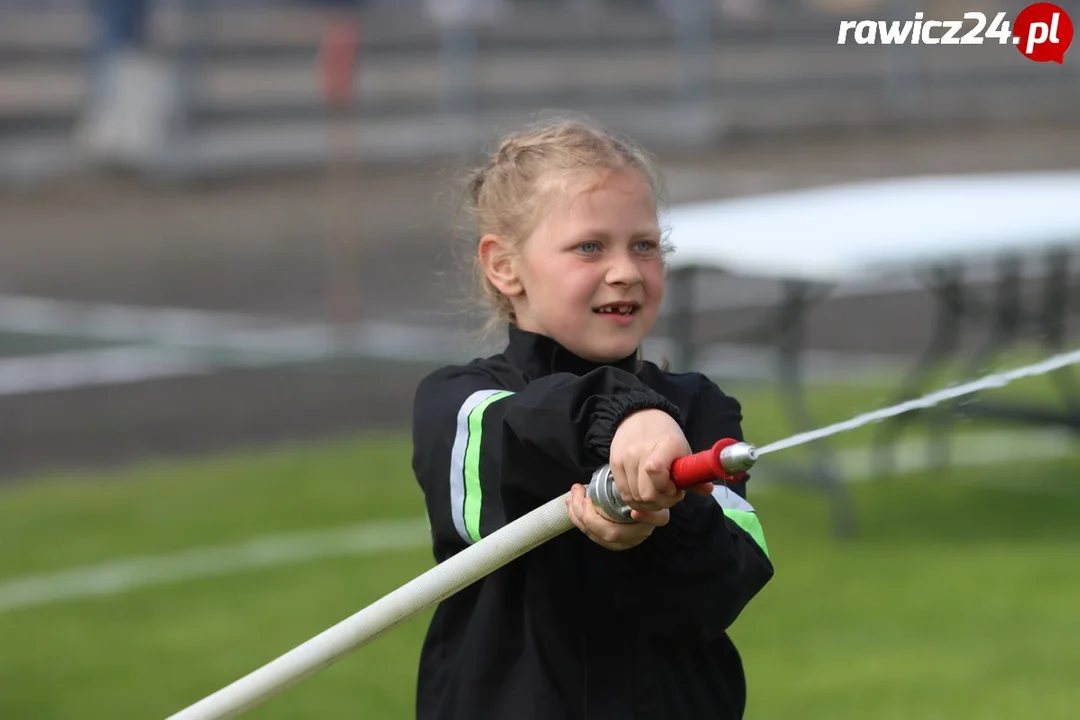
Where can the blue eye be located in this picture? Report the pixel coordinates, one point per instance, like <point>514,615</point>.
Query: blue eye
<point>589,247</point>
<point>646,246</point>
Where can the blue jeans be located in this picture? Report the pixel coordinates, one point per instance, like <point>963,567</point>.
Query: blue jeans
<point>121,23</point>
<point>118,24</point>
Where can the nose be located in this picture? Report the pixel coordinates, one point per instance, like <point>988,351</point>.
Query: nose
<point>622,270</point>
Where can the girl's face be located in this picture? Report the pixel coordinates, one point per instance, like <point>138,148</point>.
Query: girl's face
<point>591,275</point>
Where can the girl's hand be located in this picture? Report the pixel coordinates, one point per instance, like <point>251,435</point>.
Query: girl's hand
<point>642,451</point>
<point>606,532</point>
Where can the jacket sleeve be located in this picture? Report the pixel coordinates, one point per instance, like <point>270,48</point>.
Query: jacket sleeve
<point>485,455</point>
<point>701,569</point>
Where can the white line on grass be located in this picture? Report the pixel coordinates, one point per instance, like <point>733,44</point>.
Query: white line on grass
<point>192,342</point>
<point>270,551</point>
<point>1007,450</point>
<point>88,368</point>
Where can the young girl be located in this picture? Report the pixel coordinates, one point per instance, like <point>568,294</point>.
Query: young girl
<point>618,620</point>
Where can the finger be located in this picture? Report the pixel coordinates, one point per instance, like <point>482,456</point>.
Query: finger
<point>622,537</point>
<point>654,492</point>
<point>658,467</point>
<point>572,514</point>
<point>648,496</point>
<point>595,530</point>
<point>586,510</point>
<point>600,511</point>
<point>657,518</point>
<point>626,483</point>
<point>617,536</point>
<point>596,525</point>
<point>577,493</point>
<point>705,489</point>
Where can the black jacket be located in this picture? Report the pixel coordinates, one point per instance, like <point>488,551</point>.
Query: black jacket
<point>573,630</point>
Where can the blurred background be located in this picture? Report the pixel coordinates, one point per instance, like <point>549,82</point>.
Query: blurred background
<point>230,246</point>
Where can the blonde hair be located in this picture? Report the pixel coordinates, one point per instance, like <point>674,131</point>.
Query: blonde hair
<point>507,195</point>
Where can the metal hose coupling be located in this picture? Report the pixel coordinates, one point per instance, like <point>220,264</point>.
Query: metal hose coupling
<point>606,497</point>
<point>727,460</point>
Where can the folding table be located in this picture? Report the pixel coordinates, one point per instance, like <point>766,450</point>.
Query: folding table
<point>934,227</point>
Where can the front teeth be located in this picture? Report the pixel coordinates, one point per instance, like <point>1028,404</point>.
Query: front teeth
<point>620,310</point>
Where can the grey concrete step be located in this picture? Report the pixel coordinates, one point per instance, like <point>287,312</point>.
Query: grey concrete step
<point>395,28</point>
<point>37,96</point>
<point>244,144</point>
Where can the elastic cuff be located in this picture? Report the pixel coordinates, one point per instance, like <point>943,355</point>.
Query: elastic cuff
<point>616,408</point>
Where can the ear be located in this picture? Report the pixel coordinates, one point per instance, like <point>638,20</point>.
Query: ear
<point>497,260</point>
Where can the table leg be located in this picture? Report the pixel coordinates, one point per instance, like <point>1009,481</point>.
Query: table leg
<point>1054,311</point>
<point>946,283</point>
<point>1006,321</point>
<point>823,469</point>
<point>681,294</point>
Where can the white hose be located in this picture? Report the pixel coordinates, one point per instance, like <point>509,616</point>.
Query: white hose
<point>434,586</point>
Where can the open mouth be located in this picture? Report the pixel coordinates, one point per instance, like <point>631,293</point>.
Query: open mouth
<point>621,308</point>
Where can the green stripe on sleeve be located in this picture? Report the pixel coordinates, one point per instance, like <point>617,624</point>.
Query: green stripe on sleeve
<point>473,492</point>
<point>749,522</point>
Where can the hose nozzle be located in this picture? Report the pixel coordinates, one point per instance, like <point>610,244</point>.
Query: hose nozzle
<point>727,461</point>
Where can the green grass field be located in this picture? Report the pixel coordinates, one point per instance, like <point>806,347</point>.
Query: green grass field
<point>958,599</point>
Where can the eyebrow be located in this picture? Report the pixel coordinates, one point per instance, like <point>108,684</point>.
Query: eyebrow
<point>636,235</point>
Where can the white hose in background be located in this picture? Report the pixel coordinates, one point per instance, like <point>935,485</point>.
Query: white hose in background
<point>434,586</point>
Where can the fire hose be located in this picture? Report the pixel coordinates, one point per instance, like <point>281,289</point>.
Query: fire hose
<point>727,461</point>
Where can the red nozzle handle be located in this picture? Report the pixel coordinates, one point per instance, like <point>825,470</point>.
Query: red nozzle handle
<point>703,467</point>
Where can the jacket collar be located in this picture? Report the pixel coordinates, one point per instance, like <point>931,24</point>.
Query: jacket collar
<point>540,355</point>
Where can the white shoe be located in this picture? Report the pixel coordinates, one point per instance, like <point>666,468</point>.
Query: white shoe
<point>133,119</point>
